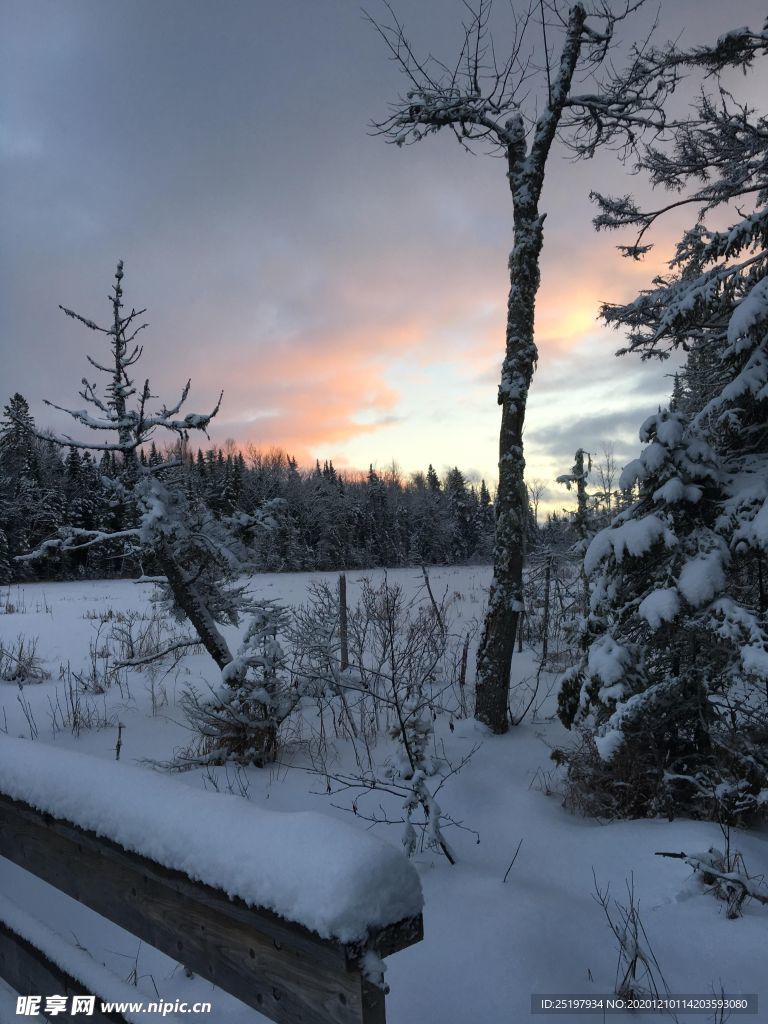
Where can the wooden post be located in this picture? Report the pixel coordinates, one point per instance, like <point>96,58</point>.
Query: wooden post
<point>343,626</point>
<point>463,677</point>
<point>545,639</point>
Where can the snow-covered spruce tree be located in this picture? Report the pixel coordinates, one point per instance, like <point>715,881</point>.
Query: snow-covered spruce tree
<point>577,478</point>
<point>673,687</point>
<point>29,506</point>
<point>641,687</point>
<point>516,109</point>
<point>582,467</point>
<point>18,444</point>
<point>239,721</point>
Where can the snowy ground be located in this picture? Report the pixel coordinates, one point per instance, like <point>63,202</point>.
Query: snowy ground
<point>489,943</point>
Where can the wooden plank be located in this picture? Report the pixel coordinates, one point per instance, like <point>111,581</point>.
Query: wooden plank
<point>29,972</point>
<point>285,971</point>
<point>394,937</point>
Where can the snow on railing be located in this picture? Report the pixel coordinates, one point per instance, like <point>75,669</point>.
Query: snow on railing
<point>308,868</point>
<point>289,912</point>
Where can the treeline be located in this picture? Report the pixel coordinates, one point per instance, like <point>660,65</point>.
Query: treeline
<point>325,519</point>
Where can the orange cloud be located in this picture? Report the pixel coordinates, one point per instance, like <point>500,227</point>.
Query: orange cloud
<point>329,381</point>
<point>316,390</point>
<point>326,385</point>
<point>573,289</point>
<point>576,281</point>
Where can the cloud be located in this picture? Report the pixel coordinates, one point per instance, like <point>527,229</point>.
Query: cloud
<point>336,288</point>
<point>320,369</point>
<point>620,427</point>
<point>593,366</point>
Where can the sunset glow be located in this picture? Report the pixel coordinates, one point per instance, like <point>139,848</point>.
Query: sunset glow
<point>348,296</point>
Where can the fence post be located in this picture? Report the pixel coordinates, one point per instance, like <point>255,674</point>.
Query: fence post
<point>545,639</point>
<point>463,677</point>
<point>343,627</point>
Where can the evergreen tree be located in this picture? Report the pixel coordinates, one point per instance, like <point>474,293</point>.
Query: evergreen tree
<point>28,508</point>
<point>485,523</point>
<point>462,510</point>
<point>673,686</point>
<point>239,721</point>
<point>18,444</point>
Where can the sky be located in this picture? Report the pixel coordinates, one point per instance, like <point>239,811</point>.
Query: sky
<point>347,295</point>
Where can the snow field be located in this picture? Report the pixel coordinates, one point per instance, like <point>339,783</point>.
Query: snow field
<point>488,944</point>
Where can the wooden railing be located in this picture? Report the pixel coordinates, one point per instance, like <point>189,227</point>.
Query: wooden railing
<point>281,969</point>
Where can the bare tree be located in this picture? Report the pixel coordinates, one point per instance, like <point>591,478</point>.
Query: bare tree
<point>197,554</point>
<point>606,471</point>
<point>537,489</point>
<point>515,108</point>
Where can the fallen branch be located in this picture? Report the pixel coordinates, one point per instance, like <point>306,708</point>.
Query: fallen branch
<point>730,877</point>
<point>147,659</point>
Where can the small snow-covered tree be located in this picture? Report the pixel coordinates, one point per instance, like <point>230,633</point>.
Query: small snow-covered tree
<point>673,686</point>
<point>18,449</point>
<point>25,508</point>
<point>239,721</point>
<point>582,467</point>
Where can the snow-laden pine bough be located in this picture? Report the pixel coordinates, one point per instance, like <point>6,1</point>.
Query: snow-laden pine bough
<point>289,912</point>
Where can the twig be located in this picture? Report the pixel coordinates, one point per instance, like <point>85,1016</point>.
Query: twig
<point>506,873</point>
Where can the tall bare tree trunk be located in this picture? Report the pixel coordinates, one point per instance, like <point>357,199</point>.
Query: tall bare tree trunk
<point>505,601</point>
<point>482,101</point>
